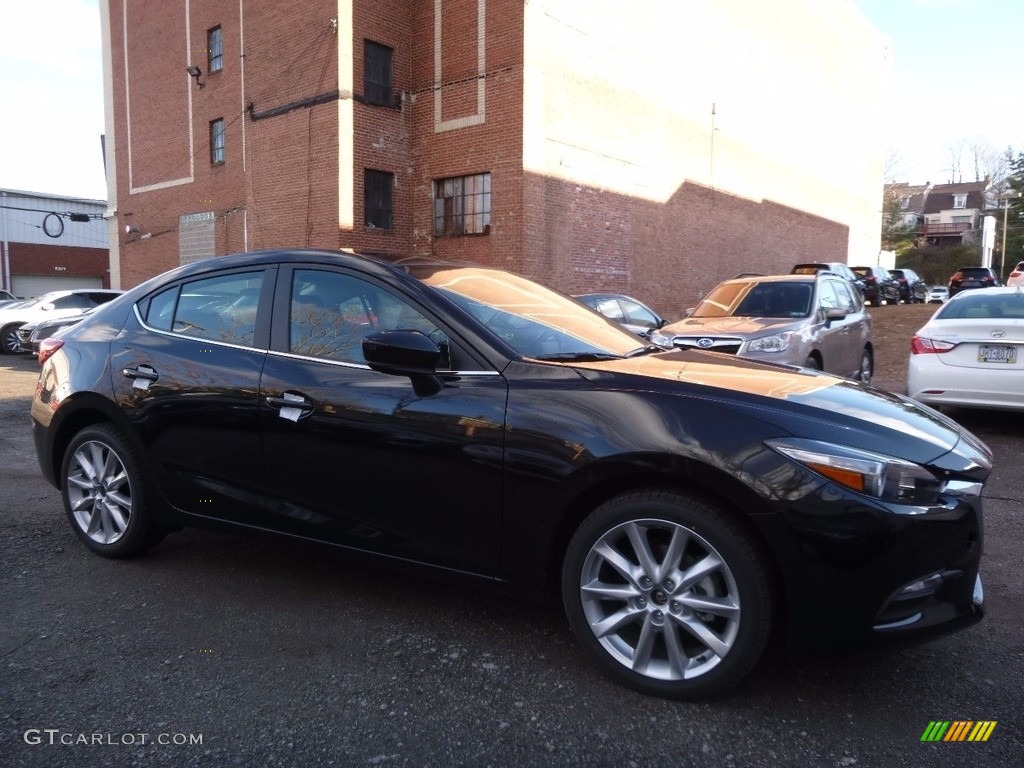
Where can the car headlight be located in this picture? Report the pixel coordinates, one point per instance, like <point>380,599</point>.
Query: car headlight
<point>884,477</point>
<point>779,342</point>
<point>662,339</point>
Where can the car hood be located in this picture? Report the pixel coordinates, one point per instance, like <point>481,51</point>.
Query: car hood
<point>804,403</point>
<point>731,326</point>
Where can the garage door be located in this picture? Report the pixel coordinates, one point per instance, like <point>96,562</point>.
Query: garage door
<point>29,286</point>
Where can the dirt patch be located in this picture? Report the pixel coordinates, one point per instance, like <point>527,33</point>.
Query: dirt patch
<point>894,326</point>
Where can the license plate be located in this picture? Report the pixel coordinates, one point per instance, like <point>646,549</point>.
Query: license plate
<point>997,353</point>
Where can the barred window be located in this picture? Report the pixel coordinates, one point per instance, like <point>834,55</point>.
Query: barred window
<point>376,73</point>
<point>217,141</point>
<point>377,203</point>
<point>214,50</point>
<point>462,205</point>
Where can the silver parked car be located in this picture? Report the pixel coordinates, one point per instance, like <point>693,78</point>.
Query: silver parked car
<point>816,321</point>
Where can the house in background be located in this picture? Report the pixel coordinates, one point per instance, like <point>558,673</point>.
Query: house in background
<point>905,204</point>
<point>651,150</point>
<point>953,213</point>
<point>52,242</point>
<point>941,215</point>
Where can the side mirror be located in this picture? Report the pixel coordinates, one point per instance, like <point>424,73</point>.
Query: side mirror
<point>405,353</point>
<point>834,313</point>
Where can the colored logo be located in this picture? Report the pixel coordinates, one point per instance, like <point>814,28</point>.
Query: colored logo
<point>958,730</point>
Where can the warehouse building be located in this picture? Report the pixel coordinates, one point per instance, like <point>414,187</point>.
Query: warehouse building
<point>651,148</point>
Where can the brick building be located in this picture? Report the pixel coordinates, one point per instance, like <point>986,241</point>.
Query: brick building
<point>651,148</point>
<point>51,243</point>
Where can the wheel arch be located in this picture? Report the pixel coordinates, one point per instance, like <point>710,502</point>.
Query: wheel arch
<point>690,477</point>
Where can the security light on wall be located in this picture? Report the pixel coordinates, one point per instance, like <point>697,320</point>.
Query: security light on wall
<point>196,72</point>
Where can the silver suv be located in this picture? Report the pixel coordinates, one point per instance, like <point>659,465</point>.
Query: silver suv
<point>816,321</point>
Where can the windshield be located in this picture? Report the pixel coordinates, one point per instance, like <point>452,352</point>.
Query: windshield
<point>535,321</point>
<point>738,298</point>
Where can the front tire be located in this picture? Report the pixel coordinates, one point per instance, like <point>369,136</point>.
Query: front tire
<point>104,494</point>
<point>867,367</point>
<point>667,594</point>
<point>9,343</point>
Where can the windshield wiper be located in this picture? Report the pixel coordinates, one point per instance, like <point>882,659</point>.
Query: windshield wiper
<point>647,350</point>
<point>579,357</point>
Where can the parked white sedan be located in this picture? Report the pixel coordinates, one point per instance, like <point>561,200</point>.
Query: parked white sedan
<point>971,352</point>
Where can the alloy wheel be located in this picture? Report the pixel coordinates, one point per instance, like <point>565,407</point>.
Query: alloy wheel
<point>99,492</point>
<point>660,599</point>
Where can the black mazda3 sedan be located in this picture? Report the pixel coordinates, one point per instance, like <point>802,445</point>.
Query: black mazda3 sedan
<point>686,506</point>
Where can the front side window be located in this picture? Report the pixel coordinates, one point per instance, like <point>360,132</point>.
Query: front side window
<point>217,141</point>
<point>331,314</point>
<point>462,205</point>
<point>377,199</point>
<point>215,51</point>
<point>377,73</point>
<point>219,308</point>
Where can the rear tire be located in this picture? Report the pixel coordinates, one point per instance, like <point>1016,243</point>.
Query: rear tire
<point>667,594</point>
<point>104,494</point>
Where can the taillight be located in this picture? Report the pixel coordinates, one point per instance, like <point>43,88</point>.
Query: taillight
<point>47,347</point>
<point>922,346</point>
<point>1016,273</point>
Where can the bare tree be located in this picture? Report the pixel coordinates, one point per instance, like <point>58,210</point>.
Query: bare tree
<point>954,156</point>
<point>988,162</point>
<point>895,166</point>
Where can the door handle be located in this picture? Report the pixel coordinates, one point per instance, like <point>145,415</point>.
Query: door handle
<point>143,372</point>
<point>289,401</point>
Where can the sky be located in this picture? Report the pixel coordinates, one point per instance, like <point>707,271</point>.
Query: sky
<point>956,78</point>
<point>953,69</point>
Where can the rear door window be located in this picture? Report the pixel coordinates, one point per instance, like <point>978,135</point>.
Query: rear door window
<point>221,308</point>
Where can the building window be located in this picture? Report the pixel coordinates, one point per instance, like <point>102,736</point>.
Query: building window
<point>961,219</point>
<point>904,203</point>
<point>377,190</point>
<point>217,141</point>
<point>376,73</point>
<point>214,51</point>
<point>959,201</point>
<point>462,205</point>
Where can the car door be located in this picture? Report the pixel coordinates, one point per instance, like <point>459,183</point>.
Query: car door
<point>357,457</point>
<point>185,370</point>
<point>840,338</point>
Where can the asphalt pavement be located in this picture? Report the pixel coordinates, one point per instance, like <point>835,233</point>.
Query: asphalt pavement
<point>228,650</point>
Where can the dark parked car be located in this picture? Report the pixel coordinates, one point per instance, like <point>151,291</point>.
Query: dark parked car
<point>966,278</point>
<point>913,290</point>
<point>817,321</point>
<point>467,422</point>
<point>631,314</point>
<point>879,285</point>
<point>836,267</point>
<point>31,335</point>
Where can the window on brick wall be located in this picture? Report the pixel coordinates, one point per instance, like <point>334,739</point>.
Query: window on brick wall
<point>462,205</point>
<point>376,73</point>
<point>377,203</point>
<point>214,50</point>
<point>217,141</point>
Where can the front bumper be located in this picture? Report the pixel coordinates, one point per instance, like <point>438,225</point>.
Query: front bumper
<point>859,571</point>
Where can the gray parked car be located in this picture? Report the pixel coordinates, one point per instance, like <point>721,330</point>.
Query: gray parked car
<point>816,321</point>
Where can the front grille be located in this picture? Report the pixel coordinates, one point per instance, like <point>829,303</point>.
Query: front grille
<point>726,346</point>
